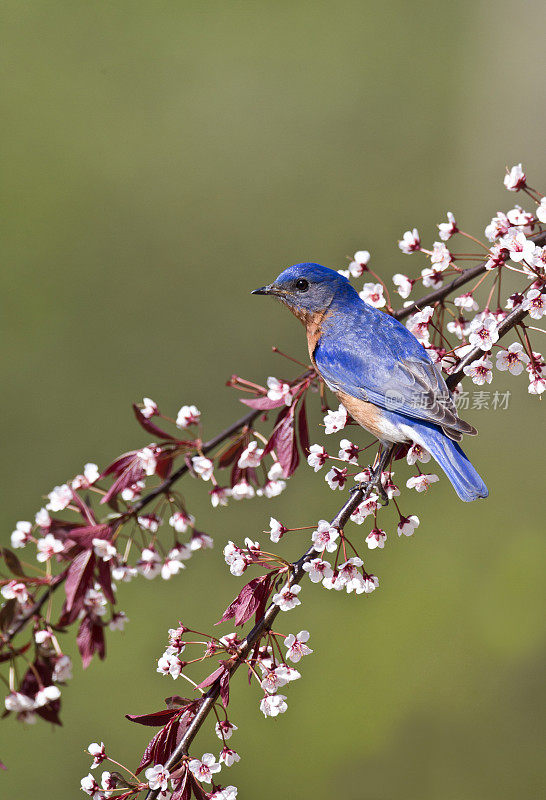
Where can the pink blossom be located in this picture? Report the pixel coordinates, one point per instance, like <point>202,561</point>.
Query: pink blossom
<point>417,453</point>
<point>237,559</point>
<point>325,537</point>
<point>441,258</point>
<point>188,415</point>
<point>276,530</point>
<point>421,482</point>
<point>103,549</point>
<point>418,324</point>
<point>376,538</point>
<point>279,390</point>
<point>201,541</point>
<point>367,507</point>
<point>149,407</point>
<point>59,498</point>
<point>513,359</point>
<point>372,293</point>
<point>449,228</point>
<point>14,590</point>
<point>22,534</point>
<point>348,576</point>
<point>496,257</point>
<point>410,242</point>
<point>181,521</point>
<point>466,302</point>
<point>480,371</point>
<point>147,459</point>
<point>90,476</point>
<point>335,421</point>
<point>521,219</point>
<point>98,751</point>
<point>149,563</point>
<point>118,621</point>
<point>432,278</point>
<point>90,786</point>
<point>287,598</point>
<point>158,777</point>
<point>403,284</point>
<point>173,563</point>
<point>407,525</point>
<point>514,180</point>
<point>204,768</point>
<point>483,333</point>
<point>336,478</point>
<point>229,757</point>
<point>498,226</point>
<point>219,496</point>
<point>519,247</point>
<point>274,704</point>
<point>225,793</point>
<point>169,664</point>
<point>541,210</point>
<point>358,265</point>
<point>535,304</point>
<point>203,467</point>
<point>48,547</point>
<point>296,646</point>
<point>317,456</point>
<point>133,491</point>
<point>348,451</point>
<point>224,729</point>
<point>243,490</point>
<point>251,456</point>
<point>317,569</point>
<point>150,522</point>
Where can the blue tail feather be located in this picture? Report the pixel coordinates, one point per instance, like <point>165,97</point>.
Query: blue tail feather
<point>464,478</point>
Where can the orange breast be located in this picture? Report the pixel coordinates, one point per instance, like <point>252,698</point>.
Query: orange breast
<point>366,414</point>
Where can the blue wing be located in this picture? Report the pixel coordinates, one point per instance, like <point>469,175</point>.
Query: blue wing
<point>370,355</point>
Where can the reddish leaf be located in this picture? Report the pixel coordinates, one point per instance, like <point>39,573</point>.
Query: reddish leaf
<point>12,562</point>
<point>105,580</point>
<point>164,464</point>
<point>7,613</point>
<point>154,719</point>
<point>283,441</point>
<point>209,680</point>
<point>303,429</point>
<point>79,578</point>
<point>263,403</point>
<point>90,640</point>
<point>149,426</point>
<point>231,453</point>
<point>248,600</point>
<point>224,687</point>
<point>84,534</point>
<point>161,746</point>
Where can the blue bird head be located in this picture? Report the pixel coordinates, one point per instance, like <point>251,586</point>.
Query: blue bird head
<point>308,288</point>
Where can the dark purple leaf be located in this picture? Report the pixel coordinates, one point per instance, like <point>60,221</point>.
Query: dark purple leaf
<point>303,429</point>
<point>154,719</point>
<point>12,562</point>
<point>79,578</point>
<point>90,640</point>
<point>231,453</point>
<point>248,600</point>
<point>105,579</point>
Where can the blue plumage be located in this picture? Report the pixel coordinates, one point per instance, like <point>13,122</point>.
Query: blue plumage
<point>378,369</point>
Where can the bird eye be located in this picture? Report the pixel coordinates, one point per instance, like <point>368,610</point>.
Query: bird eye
<point>302,285</point>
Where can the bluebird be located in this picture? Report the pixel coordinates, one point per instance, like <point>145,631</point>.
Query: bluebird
<point>379,371</point>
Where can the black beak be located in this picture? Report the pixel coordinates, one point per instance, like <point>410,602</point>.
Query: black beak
<point>262,290</point>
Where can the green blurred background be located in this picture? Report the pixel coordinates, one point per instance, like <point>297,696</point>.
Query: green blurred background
<point>162,159</point>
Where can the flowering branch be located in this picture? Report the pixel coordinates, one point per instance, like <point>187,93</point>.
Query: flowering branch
<point>94,549</point>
